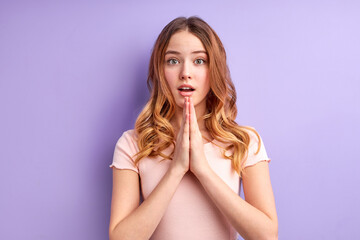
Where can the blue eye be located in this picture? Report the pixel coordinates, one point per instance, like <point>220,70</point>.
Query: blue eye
<point>172,61</point>
<point>199,61</point>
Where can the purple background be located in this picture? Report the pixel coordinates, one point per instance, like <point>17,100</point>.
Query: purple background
<point>72,79</point>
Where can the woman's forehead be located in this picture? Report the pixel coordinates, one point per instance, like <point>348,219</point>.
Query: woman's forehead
<point>185,41</point>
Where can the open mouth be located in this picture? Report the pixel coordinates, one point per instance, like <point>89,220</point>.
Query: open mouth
<point>186,89</point>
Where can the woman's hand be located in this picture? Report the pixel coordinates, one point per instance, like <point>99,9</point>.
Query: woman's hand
<point>198,161</point>
<point>181,153</point>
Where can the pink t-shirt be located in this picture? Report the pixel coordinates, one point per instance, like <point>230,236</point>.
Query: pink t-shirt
<point>191,214</point>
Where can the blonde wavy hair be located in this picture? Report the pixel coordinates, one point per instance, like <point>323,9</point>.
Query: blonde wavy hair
<point>153,128</point>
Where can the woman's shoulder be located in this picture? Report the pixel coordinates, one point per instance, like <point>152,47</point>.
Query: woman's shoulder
<point>253,134</point>
<point>128,137</point>
<point>130,133</point>
<point>125,149</point>
<point>256,149</point>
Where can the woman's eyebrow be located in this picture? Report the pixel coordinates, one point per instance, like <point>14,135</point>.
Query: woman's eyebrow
<point>172,52</point>
<point>199,51</point>
<point>178,53</point>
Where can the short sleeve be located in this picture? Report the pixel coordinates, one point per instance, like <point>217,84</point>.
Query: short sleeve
<point>253,158</point>
<point>125,149</point>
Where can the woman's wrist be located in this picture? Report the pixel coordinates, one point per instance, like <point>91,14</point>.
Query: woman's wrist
<point>177,170</point>
<point>202,172</point>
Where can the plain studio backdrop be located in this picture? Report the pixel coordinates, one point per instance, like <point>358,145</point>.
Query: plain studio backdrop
<point>73,78</point>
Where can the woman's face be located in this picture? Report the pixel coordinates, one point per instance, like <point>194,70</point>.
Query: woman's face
<point>186,69</point>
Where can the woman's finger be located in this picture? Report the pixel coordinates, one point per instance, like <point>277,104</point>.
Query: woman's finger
<point>193,119</point>
<point>182,125</point>
<point>181,151</point>
<point>187,118</point>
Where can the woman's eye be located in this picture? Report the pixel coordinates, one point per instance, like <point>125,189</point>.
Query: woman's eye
<point>199,61</point>
<point>172,61</point>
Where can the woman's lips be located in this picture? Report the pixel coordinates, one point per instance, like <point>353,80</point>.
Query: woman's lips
<point>186,93</point>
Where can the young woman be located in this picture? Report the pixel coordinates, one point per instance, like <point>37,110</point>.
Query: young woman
<point>187,155</point>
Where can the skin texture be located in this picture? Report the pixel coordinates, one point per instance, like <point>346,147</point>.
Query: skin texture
<point>254,218</point>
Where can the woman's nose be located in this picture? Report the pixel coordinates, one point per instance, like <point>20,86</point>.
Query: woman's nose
<point>185,71</point>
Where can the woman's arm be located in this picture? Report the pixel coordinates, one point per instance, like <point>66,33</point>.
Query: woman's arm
<point>129,220</point>
<point>253,218</point>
